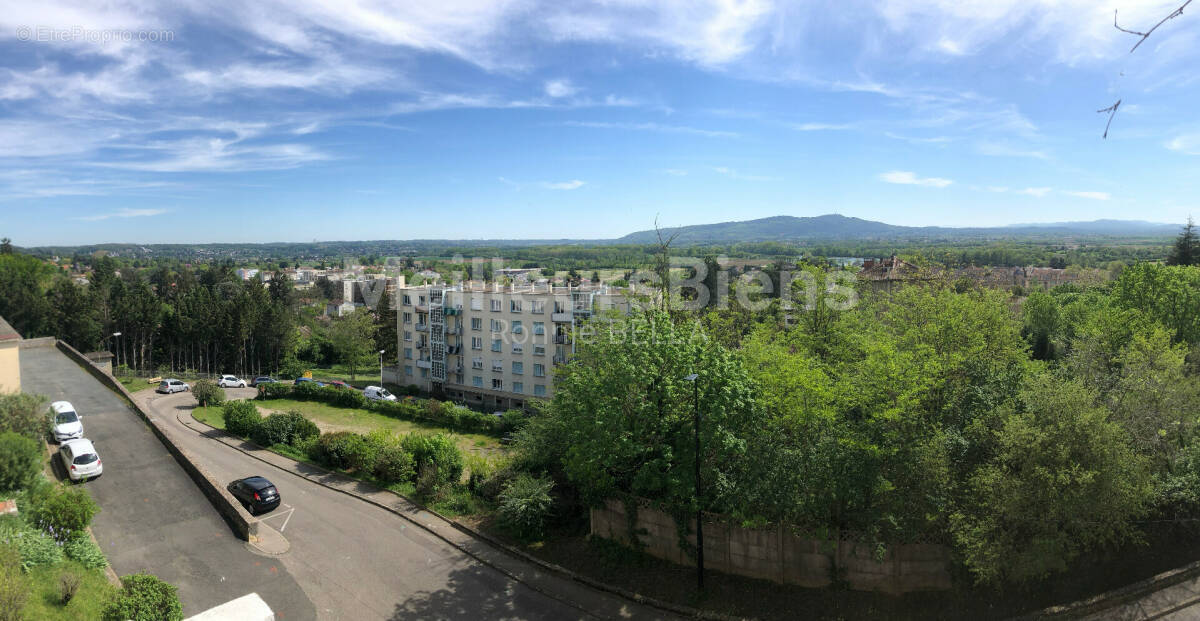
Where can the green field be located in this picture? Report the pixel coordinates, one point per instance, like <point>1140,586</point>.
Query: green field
<point>87,605</point>
<point>333,418</point>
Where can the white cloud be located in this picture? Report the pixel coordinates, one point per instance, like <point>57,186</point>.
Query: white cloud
<point>675,172</point>
<point>1099,196</point>
<point>573,184</point>
<point>905,177</point>
<point>124,213</point>
<point>733,174</point>
<point>817,127</point>
<point>654,127</point>
<point>1005,149</point>
<point>1188,144</point>
<point>560,88</point>
<point>1038,192</point>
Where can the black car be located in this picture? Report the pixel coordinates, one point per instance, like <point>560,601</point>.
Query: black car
<point>263,380</point>
<point>257,494</point>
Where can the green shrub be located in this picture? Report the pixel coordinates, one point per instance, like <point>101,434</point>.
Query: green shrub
<point>35,547</point>
<point>24,414</point>
<point>20,460</point>
<point>85,552</point>
<point>302,429</point>
<point>14,587</point>
<point>276,390</point>
<point>437,451</point>
<point>307,391</point>
<point>513,420</point>
<point>340,449</point>
<point>394,464</point>
<point>241,418</point>
<point>344,398</point>
<point>207,392</point>
<point>64,512</point>
<point>525,504</point>
<point>144,597</point>
<point>289,428</point>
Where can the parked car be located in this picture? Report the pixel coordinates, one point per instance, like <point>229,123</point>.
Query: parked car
<point>375,393</point>
<point>231,381</point>
<point>169,386</point>
<point>301,380</point>
<point>80,459</point>
<point>67,425</point>
<point>257,494</point>
<point>263,380</point>
<point>340,384</point>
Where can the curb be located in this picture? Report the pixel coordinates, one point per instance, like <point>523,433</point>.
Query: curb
<point>1116,597</point>
<point>670,607</point>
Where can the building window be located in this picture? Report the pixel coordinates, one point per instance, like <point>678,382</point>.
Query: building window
<point>539,390</point>
<point>516,327</point>
<point>476,342</point>
<point>421,300</point>
<point>539,370</point>
<point>408,353</point>
<point>537,307</point>
<point>518,387</point>
<point>408,371</point>
<point>560,307</point>
<point>496,325</point>
<point>518,348</point>
<point>424,372</point>
<point>407,300</point>
<point>477,381</point>
<point>518,368</point>
<point>496,345</point>
<point>498,365</point>
<point>514,306</point>
<point>407,335</point>
<point>539,350</point>
<point>495,305</point>
<point>539,327</point>
<point>476,323</point>
<point>477,362</point>
<point>407,317</point>
<point>497,383</point>
<point>476,304</point>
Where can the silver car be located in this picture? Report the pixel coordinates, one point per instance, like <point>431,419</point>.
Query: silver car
<point>169,386</point>
<point>67,425</point>
<point>80,459</point>
<point>231,381</point>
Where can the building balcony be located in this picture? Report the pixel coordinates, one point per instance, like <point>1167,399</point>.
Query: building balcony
<point>424,364</point>
<point>561,317</point>
<point>422,327</point>
<point>560,360</point>
<point>560,339</point>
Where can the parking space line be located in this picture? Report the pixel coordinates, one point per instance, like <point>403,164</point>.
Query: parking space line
<point>286,515</point>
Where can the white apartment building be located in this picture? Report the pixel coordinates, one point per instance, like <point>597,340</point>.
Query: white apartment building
<point>491,345</point>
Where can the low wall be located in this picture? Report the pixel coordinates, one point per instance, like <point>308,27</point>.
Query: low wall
<point>781,556</point>
<point>230,509</point>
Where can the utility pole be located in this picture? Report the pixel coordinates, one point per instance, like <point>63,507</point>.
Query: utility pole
<point>117,347</point>
<point>695,380</point>
<point>381,367</point>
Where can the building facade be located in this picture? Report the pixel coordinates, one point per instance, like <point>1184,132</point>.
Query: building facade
<point>491,345</point>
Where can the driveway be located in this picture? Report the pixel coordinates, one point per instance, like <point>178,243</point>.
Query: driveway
<point>153,518</point>
<point>355,560</point>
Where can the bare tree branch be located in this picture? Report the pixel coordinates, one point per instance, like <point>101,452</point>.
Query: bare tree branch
<point>1146,35</point>
<point>1112,111</point>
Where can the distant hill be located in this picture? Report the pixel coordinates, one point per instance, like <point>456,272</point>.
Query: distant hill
<point>839,227</point>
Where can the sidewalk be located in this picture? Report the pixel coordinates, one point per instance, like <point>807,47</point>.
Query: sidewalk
<point>601,601</point>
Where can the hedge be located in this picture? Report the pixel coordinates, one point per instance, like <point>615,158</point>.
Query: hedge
<point>440,413</point>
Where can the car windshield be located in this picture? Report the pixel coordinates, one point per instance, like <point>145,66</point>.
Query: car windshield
<point>384,393</point>
<point>86,458</point>
<point>63,418</point>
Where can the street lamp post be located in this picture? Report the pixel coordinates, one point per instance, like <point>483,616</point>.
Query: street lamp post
<point>115,346</point>
<point>381,367</point>
<point>695,380</point>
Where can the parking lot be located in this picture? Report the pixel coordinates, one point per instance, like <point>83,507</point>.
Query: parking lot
<point>153,517</point>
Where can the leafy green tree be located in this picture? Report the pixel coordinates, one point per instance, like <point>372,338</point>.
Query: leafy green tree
<point>1061,480</point>
<point>20,460</point>
<point>24,414</point>
<point>385,328</point>
<point>1166,294</point>
<point>208,393</point>
<point>353,340</point>
<point>1042,324</point>
<point>144,597</point>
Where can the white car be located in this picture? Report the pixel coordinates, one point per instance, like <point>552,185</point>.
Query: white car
<point>67,425</point>
<point>170,386</point>
<point>375,393</point>
<point>80,459</point>
<point>230,381</point>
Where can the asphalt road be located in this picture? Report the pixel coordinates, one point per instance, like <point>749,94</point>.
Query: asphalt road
<point>153,517</point>
<point>357,561</point>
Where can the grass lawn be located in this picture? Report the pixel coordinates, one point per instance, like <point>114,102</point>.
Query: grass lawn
<point>87,605</point>
<point>134,384</point>
<point>334,418</point>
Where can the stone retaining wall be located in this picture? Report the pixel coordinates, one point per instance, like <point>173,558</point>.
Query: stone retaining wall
<point>245,526</point>
<point>779,555</point>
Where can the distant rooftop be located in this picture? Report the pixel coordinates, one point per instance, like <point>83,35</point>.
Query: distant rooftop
<point>7,333</point>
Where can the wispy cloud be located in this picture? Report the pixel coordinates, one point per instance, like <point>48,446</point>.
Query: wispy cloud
<point>1099,196</point>
<point>573,184</point>
<point>124,213</point>
<point>819,127</point>
<point>733,174</point>
<point>1188,144</point>
<point>654,127</point>
<point>1002,149</point>
<point>905,177</point>
<point>560,88</point>
<point>674,172</point>
<point>1038,192</point>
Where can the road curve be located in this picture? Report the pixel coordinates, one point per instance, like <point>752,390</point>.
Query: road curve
<point>355,560</point>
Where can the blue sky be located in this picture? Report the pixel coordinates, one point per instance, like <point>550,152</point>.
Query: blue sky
<point>293,121</point>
